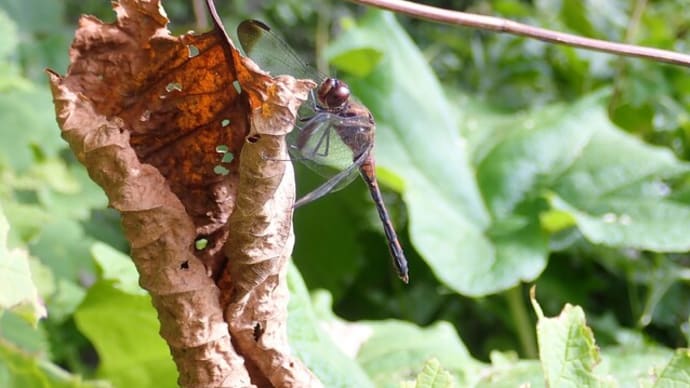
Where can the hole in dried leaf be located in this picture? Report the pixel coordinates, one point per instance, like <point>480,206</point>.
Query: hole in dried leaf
<point>145,116</point>
<point>184,265</point>
<point>200,244</point>
<point>258,331</point>
<point>253,138</point>
<point>236,85</point>
<point>225,151</point>
<point>173,86</point>
<point>220,170</point>
<point>193,51</point>
<point>227,157</point>
<point>224,123</point>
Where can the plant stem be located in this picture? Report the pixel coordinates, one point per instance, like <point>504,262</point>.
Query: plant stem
<point>511,27</point>
<point>200,15</point>
<point>523,324</point>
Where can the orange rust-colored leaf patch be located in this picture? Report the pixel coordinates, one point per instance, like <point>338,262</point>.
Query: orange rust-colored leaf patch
<point>175,98</point>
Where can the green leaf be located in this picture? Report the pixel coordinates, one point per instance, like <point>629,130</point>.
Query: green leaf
<point>124,329</point>
<point>417,140</point>
<point>533,149</point>
<point>314,347</point>
<point>616,194</point>
<point>395,350</point>
<point>28,120</point>
<point>26,220</point>
<point>573,13</point>
<point>35,15</point>
<point>357,55</point>
<point>567,349</point>
<point>434,376</point>
<point>24,335</point>
<point>506,371</point>
<point>118,268</point>
<point>69,192</point>
<point>22,369</point>
<point>17,289</point>
<point>66,300</point>
<point>635,365</point>
<point>64,248</point>
<point>338,241</point>
<point>677,372</point>
<point>9,33</point>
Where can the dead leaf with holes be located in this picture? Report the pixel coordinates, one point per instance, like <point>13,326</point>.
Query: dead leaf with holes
<point>186,138</point>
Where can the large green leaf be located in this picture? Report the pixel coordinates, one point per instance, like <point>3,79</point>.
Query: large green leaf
<point>562,149</point>
<point>117,267</point>
<point>396,351</point>
<point>567,350</point>
<point>63,246</point>
<point>22,369</point>
<point>123,328</point>
<point>28,125</point>
<point>677,371</point>
<point>506,371</point>
<point>17,289</point>
<point>533,149</point>
<point>333,255</point>
<point>417,139</point>
<point>35,15</point>
<point>616,193</point>
<point>314,347</point>
<point>433,376</point>
<point>638,366</point>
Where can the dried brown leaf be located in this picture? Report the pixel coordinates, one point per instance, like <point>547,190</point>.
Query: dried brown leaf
<point>145,112</point>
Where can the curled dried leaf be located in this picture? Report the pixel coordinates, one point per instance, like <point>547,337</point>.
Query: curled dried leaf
<point>161,127</point>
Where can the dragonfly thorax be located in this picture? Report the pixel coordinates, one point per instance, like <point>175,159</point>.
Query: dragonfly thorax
<point>333,93</point>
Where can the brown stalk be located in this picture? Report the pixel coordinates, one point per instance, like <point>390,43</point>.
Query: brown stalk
<point>496,24</point>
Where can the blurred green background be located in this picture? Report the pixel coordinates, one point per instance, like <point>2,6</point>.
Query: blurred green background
<point>505,162</point>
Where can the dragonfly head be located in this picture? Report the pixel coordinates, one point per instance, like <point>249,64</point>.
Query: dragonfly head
<point>333,93</point>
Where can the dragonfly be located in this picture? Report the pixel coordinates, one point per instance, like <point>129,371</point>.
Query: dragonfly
<point>333,129</point>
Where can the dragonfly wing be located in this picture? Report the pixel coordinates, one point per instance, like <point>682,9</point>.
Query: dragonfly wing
<point>316,143</point>
<point>336,182</point>
<point>270,52</point>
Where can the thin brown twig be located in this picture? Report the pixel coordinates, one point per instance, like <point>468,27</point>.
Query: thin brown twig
<point>200,14</point>
<point>492,23</point>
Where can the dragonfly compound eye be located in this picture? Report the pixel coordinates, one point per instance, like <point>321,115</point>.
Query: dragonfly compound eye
<point>333,93</point>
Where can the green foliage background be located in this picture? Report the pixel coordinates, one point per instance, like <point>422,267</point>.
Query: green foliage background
<point>506,162</point>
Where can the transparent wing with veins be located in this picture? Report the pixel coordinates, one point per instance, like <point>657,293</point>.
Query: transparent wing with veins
<point>272,53</point>
<point>316,143</point>
<point>335,183</point>
<point>315,140</point>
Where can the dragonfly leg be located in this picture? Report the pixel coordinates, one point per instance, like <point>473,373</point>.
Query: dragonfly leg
<point>327,135</point>
<point>313,152</point>
<point>332,183</point>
